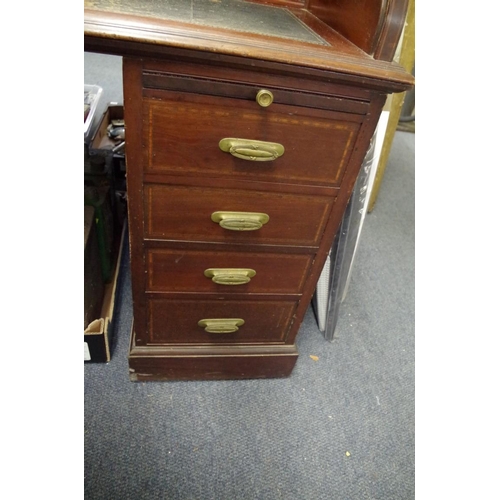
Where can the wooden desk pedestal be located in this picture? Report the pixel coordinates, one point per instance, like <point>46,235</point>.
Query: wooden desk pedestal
<point>243,146</point>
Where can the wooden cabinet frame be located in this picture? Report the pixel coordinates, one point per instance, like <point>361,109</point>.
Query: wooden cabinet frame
<point>337,74</point>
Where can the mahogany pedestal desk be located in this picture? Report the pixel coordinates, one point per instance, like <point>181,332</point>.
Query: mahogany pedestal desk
<point>246,126</point>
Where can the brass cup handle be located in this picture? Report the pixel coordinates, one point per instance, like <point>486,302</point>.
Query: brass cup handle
<point>230,276</point>
<point>247,149</point>
<point>240,221</point>
<point>221,325</point>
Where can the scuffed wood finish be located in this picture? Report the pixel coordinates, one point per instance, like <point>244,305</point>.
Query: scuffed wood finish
<point>210,363</point>
<point>187,87</point>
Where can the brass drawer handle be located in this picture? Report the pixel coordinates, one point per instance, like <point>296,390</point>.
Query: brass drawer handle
<point>247,149</point>
<point>230,276</point>
<point>221,325</point>
<point>240,221</point>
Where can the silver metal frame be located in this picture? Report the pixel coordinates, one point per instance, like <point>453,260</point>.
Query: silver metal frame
<point>334,281</point>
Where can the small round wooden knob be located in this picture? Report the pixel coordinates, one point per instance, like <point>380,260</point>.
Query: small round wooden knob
<point>264,98</point>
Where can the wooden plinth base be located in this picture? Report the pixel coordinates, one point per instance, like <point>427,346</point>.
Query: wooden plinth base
<point>210,362</point>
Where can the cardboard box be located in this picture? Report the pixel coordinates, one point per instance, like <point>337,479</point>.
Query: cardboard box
<point>98,336</point>
<point>93,283</point>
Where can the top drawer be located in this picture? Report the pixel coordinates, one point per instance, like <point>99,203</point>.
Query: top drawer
<point>183,131</point>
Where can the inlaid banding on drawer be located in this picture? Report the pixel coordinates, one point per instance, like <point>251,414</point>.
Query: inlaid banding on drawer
<point>184,213</point>
<point>183,137</point>
<point>172,270</point>
<point>176,321</point>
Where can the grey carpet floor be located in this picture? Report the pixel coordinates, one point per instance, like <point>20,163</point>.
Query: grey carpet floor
<point>341,427</point>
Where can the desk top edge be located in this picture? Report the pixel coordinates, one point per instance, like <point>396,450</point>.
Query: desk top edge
<point>129,35</point>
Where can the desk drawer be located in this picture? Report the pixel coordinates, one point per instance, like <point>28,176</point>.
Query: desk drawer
<point>185,213</point>
<point>172,270</point>
<point>182,134</point>
<point>177,321</point>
